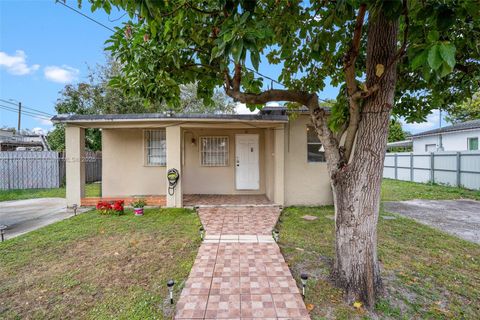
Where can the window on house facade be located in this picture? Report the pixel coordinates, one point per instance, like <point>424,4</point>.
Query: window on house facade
<point>155,147</point>
<point>315,152</point>
<point>214,151</point>
<point>472,143</point>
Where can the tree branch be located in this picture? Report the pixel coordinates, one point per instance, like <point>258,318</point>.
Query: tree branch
<point>403,48</point>
<point>328,139</point>
<point>268,96</point>
<point>237,77</point>
<point>351,83</point>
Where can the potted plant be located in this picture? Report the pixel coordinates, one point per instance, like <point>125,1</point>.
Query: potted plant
<point>138,206</point>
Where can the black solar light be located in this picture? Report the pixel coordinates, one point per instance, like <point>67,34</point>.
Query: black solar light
<point>75,207</point>
<point>170,285</point>
<point>304,278</point>
<point>202,232</point>
<point>2,231</point>
<point>275,234</point>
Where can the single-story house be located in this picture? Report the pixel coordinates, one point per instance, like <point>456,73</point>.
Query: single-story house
<point>271,153</point>
<point>462,136</point>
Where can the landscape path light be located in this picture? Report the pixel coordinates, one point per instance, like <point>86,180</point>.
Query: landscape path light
<point>2,231</point>
<point>170,285</point>
<point>304,278</point>
<point>202,232</point>
<point>75,207</point>
<point>275,234</point>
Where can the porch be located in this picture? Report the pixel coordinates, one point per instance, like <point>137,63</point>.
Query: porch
<point>223,162</point>
<point>190,200</point>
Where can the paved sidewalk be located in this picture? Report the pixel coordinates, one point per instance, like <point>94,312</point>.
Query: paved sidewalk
<point>22,216</point>
<point>243,275</point>
<point>458,217</point>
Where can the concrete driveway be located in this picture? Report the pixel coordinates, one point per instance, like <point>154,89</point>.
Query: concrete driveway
<point>22,216</point>
<point>458,217</point>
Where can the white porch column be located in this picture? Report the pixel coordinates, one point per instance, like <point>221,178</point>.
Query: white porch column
<point>75,165</point>
<point>174,160</point>
<point>279,166</point>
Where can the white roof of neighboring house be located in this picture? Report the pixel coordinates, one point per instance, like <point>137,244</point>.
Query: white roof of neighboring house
<point>462,126</point>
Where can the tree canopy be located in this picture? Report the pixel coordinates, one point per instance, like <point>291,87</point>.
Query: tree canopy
<point>97,96</point>
<point>202,40</point>
<point>466,110</point>
<point>415,56</point>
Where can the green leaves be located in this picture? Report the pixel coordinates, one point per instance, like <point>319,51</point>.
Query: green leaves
<point>439,58</point>
<point>434,58</point>
<point>447,52</point>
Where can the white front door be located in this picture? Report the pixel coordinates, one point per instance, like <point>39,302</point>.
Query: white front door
<point>247,175</point>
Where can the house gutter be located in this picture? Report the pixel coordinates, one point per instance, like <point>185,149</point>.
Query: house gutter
<point>443,132</point>
<point>69,121</point>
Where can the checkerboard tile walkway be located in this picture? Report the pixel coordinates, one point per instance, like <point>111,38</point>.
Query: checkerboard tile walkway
<point>249,220</point>
<point>241,279</point>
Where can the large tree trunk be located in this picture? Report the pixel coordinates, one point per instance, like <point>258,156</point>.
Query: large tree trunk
<point>356,186</point>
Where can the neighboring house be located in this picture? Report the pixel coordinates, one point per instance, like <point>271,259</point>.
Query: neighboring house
<point>9,141</point>
<point>262,154</point>
<point>457,137</point>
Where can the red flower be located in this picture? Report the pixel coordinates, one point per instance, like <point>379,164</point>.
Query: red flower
<point>118,205</point>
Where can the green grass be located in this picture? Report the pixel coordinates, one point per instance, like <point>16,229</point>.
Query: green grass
<point>91,190</point>
<point>98,267</point>
<point>396,190</point>
<point>427,273</point>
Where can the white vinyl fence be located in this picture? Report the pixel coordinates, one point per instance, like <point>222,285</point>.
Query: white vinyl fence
<point>450,168</point>
<point>42,169</point>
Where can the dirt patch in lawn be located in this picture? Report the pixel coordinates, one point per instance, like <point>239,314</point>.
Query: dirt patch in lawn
<point>110,273</point>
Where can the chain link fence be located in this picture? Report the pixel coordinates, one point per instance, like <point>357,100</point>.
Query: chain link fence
<point>42,169</point>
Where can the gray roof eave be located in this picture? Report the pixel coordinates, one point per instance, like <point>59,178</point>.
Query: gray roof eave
<point>458,127</point>
<point>156,117</point>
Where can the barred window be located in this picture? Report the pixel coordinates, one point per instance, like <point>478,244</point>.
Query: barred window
<point>156,147</point>
<point>214,151</point>
<point>315,152</point>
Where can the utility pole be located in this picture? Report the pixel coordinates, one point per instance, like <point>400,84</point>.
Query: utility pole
<point>19,117</point>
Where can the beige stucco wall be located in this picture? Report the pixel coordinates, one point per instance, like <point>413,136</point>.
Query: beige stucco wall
<point>123,165</point>
<point>75,166</point>
<point>306,183</point>
<point>269,164</point>
<point>199,179</point>
<point>125,172</point>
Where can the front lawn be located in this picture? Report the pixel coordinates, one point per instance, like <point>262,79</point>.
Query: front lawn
<point>91,190</point>
<point>427,273</point>
<point>97,267</point>
<point>396,190</point>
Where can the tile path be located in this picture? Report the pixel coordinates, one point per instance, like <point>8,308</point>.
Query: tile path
<point>240,275</point>
<point>224,199</point>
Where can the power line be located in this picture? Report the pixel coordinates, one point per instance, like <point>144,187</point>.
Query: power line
<point>84,15</point>
<point>108,28</point>
<point>24,112</point>
<point>25,107</point>
<point>27,113</point>
<point>114,20</point>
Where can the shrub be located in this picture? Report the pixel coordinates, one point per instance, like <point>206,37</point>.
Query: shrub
<point>116,207</point>
<point>139,203</point>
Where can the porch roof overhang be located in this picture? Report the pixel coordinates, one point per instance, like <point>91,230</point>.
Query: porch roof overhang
<point>161,120</point>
